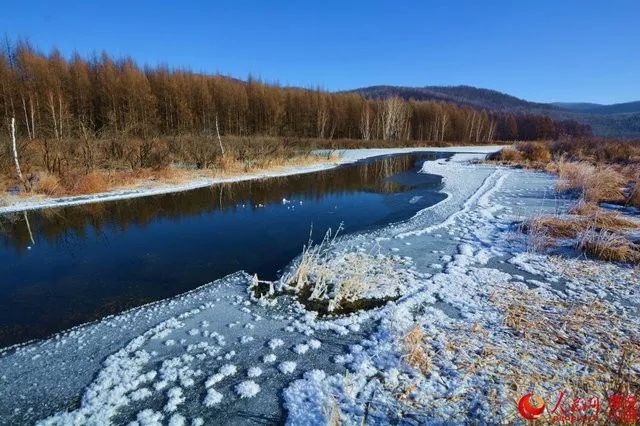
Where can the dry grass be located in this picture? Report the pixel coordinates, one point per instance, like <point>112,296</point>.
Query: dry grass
<point>81,183</point>
<point>555,226</point>
<point>535,152</point>
<point>600,169</point>
<point>583,208</point>
<point>48,184</point>
<point>596,232</point>
<point>90,183</point>
<point>416,356</point>
<point>509,155</point>
<point>331,281</point>
<point>610,221</point>
<point>595,183</point>
<point>545,344</point>
<point>634,194</point>
<point>609,246</point>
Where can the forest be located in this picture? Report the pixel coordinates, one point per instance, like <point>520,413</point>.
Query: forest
<point>99,113</point>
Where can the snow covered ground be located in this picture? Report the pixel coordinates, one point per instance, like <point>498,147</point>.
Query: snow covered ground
<point>17,204</point>
<point>476,320</point>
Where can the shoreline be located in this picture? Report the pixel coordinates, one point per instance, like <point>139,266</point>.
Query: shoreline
<point>121,367</point>
<point>345,156</point>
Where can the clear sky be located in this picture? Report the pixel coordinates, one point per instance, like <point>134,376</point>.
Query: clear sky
<point>562,50</point>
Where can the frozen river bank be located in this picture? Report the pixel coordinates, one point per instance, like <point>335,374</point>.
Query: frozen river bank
<point>215,354</point>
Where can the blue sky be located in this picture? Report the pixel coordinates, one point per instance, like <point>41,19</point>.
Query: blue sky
<point>563,50</point>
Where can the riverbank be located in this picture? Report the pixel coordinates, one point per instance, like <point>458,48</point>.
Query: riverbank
<point>326,159</point>
<point>477,321</point>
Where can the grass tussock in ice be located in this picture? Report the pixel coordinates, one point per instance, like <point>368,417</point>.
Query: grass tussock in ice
<point>603,235</point>
<point>332,282</point>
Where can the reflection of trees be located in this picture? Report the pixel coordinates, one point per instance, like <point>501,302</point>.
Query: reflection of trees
<point>58,224</point>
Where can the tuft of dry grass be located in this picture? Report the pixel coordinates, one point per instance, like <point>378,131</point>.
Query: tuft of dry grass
<point>610,221</point>
<point>595,183</point>
<point>536,152</point>
<point>48,184</point>
<point>607,245</point>
<point>509,155</point>
<point>596,232</point>
<point>633,198</point>
<point>416,356</point>
<point>583,208</point>
<point>91,183</point>
<point>555,226</point>
<point>330,281</point>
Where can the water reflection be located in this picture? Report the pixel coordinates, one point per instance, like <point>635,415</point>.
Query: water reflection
<point>56,225</point>
<point>65,266</point>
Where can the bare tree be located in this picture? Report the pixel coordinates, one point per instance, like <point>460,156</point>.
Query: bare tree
<point>15,151</point>
<point>395,117</point>
<point>365,122</point>
<point>219,138</point>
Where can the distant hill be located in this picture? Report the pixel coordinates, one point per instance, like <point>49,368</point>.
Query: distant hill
<point>619,120</point>
<point>464,95</point>
<point>623,108</point>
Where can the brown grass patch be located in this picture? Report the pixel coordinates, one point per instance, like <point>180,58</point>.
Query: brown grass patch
<point>49,184</point>
<point>537,152</point>
<point>595,183</point>
<point>583,208</point>
<point>608,246</point>
<point>599,233</point>
<point>555,226</point>
<point>509,155</point>
<point>416,355</point>
<point>634,194</point>
<point>90,183</point>
<point>611,221</point>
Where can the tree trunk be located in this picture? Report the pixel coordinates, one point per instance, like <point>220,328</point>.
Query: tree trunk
<point>26,118</point>
<point>219,138</point>
<point>15,151</point>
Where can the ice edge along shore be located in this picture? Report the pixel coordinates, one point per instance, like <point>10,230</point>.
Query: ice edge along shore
<point>345,156</point>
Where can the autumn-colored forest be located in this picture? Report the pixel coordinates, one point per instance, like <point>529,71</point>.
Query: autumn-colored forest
<point>99,112</point>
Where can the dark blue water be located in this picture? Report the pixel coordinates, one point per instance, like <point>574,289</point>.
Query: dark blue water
<point>89,261</point>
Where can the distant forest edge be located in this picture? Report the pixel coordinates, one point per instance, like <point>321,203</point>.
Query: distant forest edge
<point>53,97</point>
<point>618,120</point>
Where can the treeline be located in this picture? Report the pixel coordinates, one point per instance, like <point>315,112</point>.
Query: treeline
<point>53,97</point>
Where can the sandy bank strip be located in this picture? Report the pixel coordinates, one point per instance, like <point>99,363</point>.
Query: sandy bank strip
<point>345,156</point>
